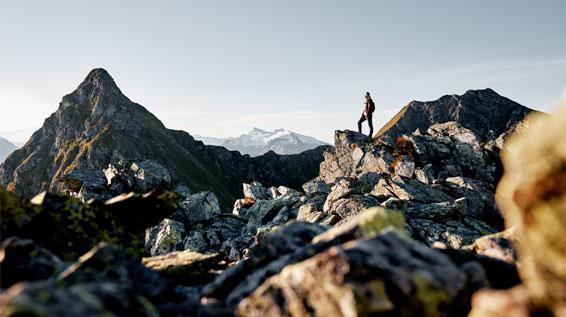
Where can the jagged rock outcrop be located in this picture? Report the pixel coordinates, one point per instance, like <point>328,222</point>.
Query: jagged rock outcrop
<point>532,194</point>
<point>96,125</point>
<point>442,178</point>
<point>200,226</point>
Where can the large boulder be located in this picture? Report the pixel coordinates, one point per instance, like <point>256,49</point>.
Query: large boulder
<point>200,206</point>
<point>184,267</point>
<point>383,274</point>
<point>347,199</point>
<point>165,237</point>
<point>349,151</point>
<point>255,191</point>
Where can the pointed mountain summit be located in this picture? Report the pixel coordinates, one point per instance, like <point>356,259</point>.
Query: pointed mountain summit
<point>96,125</point>
<point>483,111</point>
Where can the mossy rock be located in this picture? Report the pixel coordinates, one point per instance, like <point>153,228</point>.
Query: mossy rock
<point>376,219</point>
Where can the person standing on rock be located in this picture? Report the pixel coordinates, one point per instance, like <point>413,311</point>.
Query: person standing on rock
<point>367,114</point>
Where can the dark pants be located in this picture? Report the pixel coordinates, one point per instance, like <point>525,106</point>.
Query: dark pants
<point>370,123</point>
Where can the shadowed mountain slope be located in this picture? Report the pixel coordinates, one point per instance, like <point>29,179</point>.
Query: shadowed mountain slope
<point>484,112</point>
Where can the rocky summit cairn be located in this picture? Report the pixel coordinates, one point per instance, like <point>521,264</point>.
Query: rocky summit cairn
<point>96,125</point>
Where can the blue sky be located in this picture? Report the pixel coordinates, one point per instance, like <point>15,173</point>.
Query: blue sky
<point>220,68</point>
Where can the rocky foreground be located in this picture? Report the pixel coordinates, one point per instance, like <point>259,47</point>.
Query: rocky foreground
<point>415,222</point>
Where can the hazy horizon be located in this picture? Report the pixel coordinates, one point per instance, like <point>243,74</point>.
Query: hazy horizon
<point>218,69</point>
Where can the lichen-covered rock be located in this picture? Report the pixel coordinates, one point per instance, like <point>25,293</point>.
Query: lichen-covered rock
<point>184,267</point>
<point>255,191</point>
<point>405,168</point>
<point>480,199</point>
<point>409,189</point>
<point>341,162</point>
<point>344,188</point>
<point>315,187</point>
<point>196,242</point>
<point>305,211</point>
<point>23,260</point>
<point>165,237</point>
<point>149,174</point>
<point>433,210</point>
<point>260,213</point>
<point>200,206</point>
<point>79,226</point>
<point>364,278</point>
<point>441,176</point>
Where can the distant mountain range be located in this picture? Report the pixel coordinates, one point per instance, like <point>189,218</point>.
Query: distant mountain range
<point>18,137</point>
<point>258,142</point>
<point>6,148</point>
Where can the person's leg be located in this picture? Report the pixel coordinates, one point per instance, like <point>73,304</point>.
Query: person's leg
<point>370,123</point>
<point>362,119</point>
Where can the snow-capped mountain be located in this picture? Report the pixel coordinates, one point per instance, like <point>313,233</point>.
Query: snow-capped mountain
<point>258,142</point>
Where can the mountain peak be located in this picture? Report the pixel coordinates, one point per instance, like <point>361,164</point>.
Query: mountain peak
<point>483,111</point>
<point>99,78</point>
<point>97,95</point>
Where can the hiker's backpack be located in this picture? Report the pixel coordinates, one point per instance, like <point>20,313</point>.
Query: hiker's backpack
<point>371,106</point>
